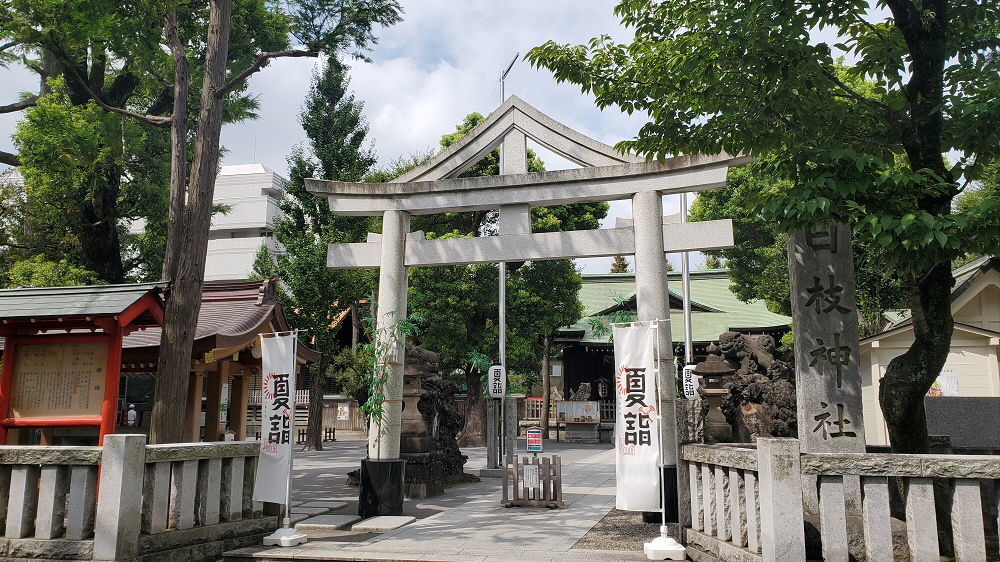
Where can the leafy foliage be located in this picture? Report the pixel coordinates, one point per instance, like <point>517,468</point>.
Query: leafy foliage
<point>39,272</point>
<point>861,144</point>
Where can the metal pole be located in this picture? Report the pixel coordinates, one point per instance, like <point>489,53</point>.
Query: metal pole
<point>291,456</point>
<point>686,288</point>
<point>503,289</point>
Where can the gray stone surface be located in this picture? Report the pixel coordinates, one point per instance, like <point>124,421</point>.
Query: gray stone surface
<point>737,509</point>
<point>156,497</point>
<point>969,422</point>
<point>707,499</point>
<point>309,510</point>
<point>52,487</point>
<point>327,522</point>
<point>824,311</point>
<point>723,455</point>
<point>81,503</point>
<point>722,519</point>
<point>194,451</point>
<point>885,464</point>
<point>209,488</point>
<point>53,549</point>
<point>921,521</point>
<point>782,535</point>
<point>383,523</point>
<point>232,489</point>
<point>876,519</point>
<point>967,521</point>
<point>49,454</point>
<point>694,492</point>
<point>183,488</point>
<point>22,501</point>
<point>559,187</point>
<point>752,504</point>
<point>707,235</point>
<point>833,518</point>
<point>323,504</point>
<point>119,504</point>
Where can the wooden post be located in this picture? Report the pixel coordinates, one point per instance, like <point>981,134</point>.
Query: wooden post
<point>109,410</point>
<point>239,399</point>
<point>6,376</point>
<point>213,400</point>
<point>194,408</point>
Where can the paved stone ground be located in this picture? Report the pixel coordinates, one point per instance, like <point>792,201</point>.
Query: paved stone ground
<point>467,522</point>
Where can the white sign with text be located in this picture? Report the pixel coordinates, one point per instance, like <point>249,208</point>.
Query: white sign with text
<point>637,436</point>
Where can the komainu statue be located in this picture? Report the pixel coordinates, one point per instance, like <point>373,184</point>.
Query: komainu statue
<point>761,400</point>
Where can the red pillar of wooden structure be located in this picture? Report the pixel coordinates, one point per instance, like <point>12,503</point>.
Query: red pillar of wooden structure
<point>109,410</point>
<point>6,376</point>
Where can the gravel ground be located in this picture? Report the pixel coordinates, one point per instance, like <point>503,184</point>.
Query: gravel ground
<point>619,530</point>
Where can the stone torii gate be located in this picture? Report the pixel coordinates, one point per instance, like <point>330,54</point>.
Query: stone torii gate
<point>434,188</point>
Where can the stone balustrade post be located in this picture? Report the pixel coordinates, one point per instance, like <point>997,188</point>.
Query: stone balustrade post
<point>119,501</point>
<point>782,534</point>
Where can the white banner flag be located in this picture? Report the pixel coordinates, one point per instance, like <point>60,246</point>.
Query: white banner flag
<point>277,418</point>
<point>637,435</point>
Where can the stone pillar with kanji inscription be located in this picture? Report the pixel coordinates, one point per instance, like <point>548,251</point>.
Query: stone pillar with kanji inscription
<point>825,317</point>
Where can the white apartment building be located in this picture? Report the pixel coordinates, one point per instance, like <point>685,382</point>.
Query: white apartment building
<point>251,192</point>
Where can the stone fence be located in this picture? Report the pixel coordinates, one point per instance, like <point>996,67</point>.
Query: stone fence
<point>129,501</point>
<point>746,504</point>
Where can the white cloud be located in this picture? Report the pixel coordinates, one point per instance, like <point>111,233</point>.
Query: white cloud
<point>441,63</point>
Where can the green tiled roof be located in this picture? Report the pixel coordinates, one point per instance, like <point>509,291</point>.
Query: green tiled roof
<point>708,287</point>
<point>93,300</point>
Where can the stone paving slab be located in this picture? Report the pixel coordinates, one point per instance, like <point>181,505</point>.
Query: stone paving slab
<point>325,504</point>
<point>309,510</point>
<point>383,523</point>
<point>327,522</point>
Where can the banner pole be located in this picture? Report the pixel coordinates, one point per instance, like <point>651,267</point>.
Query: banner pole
<point>659,409</point>
<point>288,482</point>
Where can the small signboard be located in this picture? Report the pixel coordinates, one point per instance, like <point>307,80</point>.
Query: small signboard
<point>534,437</point>
<point>59,379</point>
<point>497,381</point>
<point>690,382</point>
<point>531,476</point>
<point>574,411</point>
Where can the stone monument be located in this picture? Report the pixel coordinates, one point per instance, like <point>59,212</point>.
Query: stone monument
<point>714,372</point>
<point>827,373</point>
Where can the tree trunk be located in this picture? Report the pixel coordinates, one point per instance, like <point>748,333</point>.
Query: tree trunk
<point>474,432</point>
<point>314,430</point>
<point>184,302</point>
<point>178,142</point>
<point>546,390</point>
<point>910,375</point>
<point>100,248</point>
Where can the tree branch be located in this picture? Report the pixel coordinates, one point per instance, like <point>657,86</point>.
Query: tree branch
<point>876,105</point>
<point>262,60</point>
<point>9,159</point>
<point>6,46</point>
<point>155,120</point>
<point>18,106</point>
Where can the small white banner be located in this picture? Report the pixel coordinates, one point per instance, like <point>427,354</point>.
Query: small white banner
<point>278,418</point>
<point>637,436</point>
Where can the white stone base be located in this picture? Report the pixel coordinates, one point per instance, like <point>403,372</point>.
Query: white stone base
<point>664,548</point>
<point>285,537</point>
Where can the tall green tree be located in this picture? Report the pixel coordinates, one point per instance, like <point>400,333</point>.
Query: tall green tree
<point>863,144</point>
<point>88,171</point>
<point>317,297</point>
<point>758,263</point>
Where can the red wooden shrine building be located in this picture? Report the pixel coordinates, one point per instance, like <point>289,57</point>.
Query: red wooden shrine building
<point>62,354</point>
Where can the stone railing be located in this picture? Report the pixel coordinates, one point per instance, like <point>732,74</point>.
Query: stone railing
<point>186,501</point>
<point>725,500</point>
<point>747,504</point>
<point>965,484</point>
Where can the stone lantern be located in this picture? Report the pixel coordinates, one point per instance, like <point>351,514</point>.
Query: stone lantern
<point>713,371</point>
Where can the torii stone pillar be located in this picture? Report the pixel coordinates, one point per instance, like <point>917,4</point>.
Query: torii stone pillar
<point>652,303</point>
<point>383,437</point>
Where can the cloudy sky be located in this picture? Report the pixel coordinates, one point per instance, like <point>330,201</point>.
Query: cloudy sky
<point>441,63</point>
